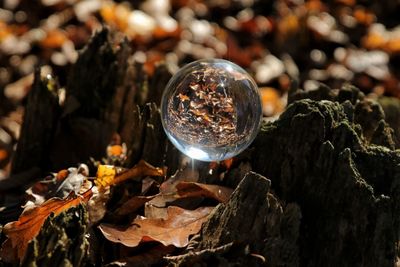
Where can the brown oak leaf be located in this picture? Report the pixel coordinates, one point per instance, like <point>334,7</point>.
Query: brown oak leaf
<point>184,189</point>
<point>133,204</point>
<point>190,189</point>
<point>174,230</point>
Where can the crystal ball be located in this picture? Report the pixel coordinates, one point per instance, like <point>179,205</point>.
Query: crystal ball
<point>211,109</point>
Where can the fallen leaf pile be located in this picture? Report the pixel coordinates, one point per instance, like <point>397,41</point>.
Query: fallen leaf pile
<point>163,222</point>
<point>164,210</point>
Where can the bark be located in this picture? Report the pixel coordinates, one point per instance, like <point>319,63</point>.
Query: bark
<point>264,232</point>
<point>391,108</point>
<point>345,182</point>
<point>41,113</point>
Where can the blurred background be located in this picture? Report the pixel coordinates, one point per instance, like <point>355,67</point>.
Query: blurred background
<point>279,43</point>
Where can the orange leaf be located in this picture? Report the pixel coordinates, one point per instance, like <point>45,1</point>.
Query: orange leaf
<point>174,230</point>
<point>30,222</point>
<point>189,189</point>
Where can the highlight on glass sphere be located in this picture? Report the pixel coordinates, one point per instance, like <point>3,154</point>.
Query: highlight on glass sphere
<point>211,109</point>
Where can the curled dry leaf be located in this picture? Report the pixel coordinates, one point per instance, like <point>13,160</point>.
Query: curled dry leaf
<point>133,204</point>
<point>107,175</point>
<point>174,230</point>
<point>188,189</point>
<point>183,189</point>
<point>30,222</point>
<point>60,185</point>
<point>179,189</point>
<point>188,175</point>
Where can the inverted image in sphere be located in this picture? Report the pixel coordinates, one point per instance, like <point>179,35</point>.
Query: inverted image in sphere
<point>211,109</point>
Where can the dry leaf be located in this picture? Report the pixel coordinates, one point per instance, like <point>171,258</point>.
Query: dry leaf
<point>97,205</point>
<point>183,185</point>
<point>107,175</point>
<point>148,184</point>
<point>59,184</point>
<point>133,204</point>
<point>141,169</point>
<point>188,175</point>
<point>188,189</point>
<point>152,211</point>
<point>175,230</point>
<point>30,222</point>
<point>155,208</point>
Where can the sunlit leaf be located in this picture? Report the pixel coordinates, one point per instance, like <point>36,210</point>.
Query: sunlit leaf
<point>174,230</point>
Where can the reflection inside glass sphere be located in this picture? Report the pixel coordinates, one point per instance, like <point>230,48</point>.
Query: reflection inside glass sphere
<point>211,109</point>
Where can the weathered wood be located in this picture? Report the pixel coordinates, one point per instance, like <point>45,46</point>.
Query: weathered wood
<point>158,82</point>
<point>262,229</point>
<point>346,186</point>
<point>93,78</point>
<point>41,114</point>
<point>88,122</point>
<point>155,138</point>
<point>391,108</point>
<point>264,233</point>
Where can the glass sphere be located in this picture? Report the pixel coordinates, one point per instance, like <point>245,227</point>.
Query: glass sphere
<point>211,109</point>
